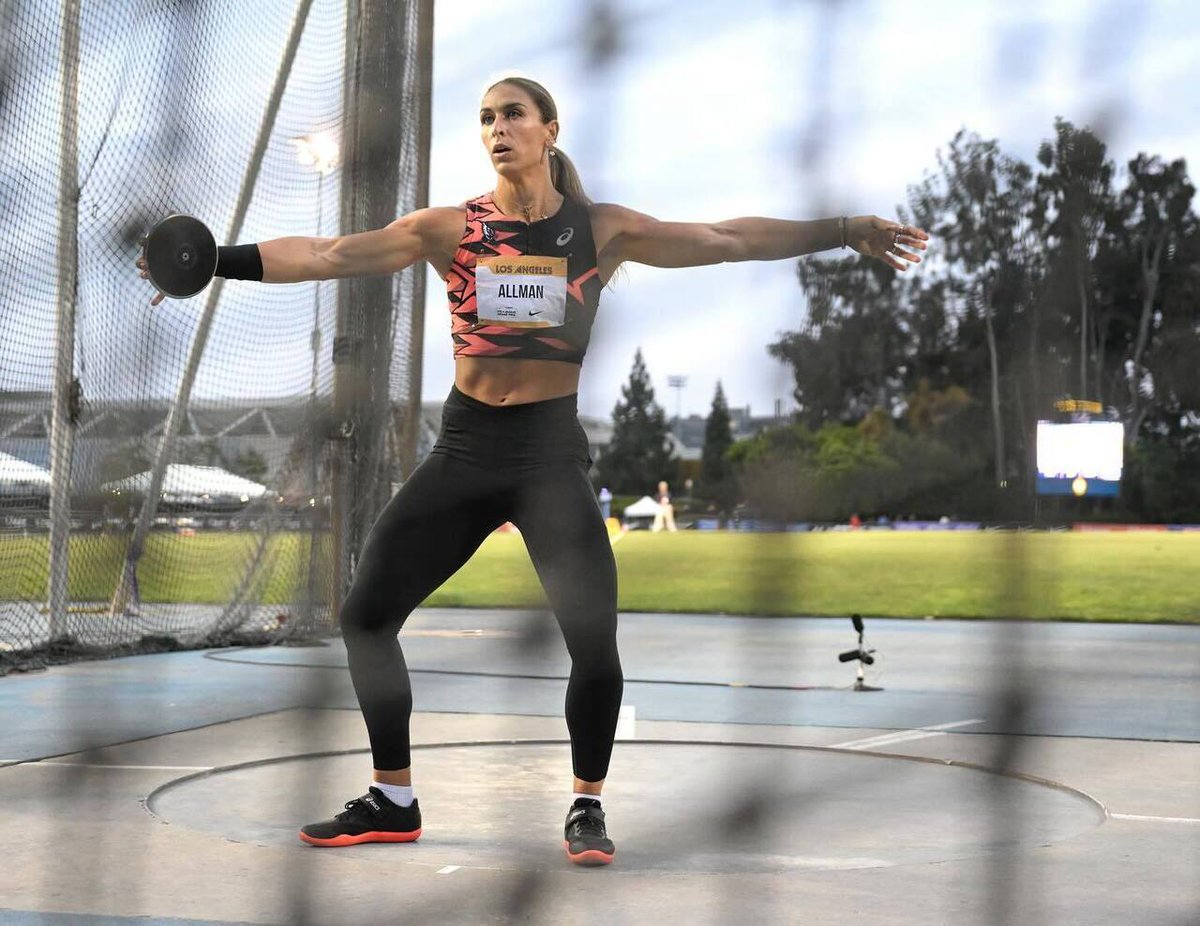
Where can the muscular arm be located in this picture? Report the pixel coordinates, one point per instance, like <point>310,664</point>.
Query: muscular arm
<point>623,234</point>
<point>427,234</point>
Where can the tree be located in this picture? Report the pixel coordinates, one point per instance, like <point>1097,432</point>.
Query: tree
<point>873,468</point>
<point>1153,208</point>
<point>717,481</point>
<point>979,208</point>
<point>1042,283</point>
<point>640,452</point>
<point>1177,348</point>
<point>1074,201</point>
<point>847,359</point>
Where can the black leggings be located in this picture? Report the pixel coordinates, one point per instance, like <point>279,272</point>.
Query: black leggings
<point>522,463</point>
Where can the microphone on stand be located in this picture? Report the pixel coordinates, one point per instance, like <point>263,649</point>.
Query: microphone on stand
<point>861,655</point>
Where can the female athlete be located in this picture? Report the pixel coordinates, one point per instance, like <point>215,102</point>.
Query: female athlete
<point>524,267</point>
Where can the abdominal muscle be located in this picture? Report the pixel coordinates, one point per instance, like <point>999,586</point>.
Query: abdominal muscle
<point>498,381</point>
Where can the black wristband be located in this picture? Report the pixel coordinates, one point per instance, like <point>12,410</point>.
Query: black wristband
<point>240,262</point>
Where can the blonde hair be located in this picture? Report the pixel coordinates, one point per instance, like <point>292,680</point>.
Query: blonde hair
<point>563,174</point>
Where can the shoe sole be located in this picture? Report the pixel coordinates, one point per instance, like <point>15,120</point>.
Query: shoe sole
<point>588,856</point>
<point>347,840</point>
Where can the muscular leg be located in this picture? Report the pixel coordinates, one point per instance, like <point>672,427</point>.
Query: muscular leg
<point>568,543</point>
<point>424,534</point>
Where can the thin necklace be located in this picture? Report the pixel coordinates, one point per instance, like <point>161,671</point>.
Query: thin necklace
<point>526,211</point>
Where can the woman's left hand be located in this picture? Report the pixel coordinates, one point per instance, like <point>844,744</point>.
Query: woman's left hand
<point>886,240</point>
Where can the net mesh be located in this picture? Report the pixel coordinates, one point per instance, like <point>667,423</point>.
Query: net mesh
<point>174,114</point>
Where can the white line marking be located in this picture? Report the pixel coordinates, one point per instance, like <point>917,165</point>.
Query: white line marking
<point>798,861</point>
<point>449,869</point>
<point>904,736</point>
<point>1194,821</point>
<point>627,722</point>
<point>34,763</point>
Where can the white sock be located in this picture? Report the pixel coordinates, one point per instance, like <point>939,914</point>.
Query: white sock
<point>591,797</point>
<point>397,794</point>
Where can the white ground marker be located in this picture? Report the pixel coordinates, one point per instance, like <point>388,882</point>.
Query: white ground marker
<point>627,723</point>
<point>448,870</point>
<point>35,763</point>
<point>904,736</point>
<point>1191,821</point>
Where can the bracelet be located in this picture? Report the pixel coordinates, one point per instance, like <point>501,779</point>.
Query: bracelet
<point>239,262</point>
<point>842,228</point>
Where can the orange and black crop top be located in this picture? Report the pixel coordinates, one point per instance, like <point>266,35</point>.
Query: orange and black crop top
<point>524,290</point>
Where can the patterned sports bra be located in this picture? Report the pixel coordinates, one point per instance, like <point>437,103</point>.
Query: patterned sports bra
<point>525,291</point>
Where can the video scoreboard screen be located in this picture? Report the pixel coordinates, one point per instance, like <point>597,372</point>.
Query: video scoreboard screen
<point>1080,459</point>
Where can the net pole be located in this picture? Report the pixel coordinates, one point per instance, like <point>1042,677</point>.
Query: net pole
<point>62,428</point>
<point>126,589</point>
<point>373,158</point>
<point>411,424</point>
<point>338,451</point>
<point>316,500</point>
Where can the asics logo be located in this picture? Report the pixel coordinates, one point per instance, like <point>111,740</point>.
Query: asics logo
<point>565,237</point>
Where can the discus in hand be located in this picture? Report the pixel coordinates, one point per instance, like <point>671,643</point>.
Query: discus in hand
<point>180,256</point>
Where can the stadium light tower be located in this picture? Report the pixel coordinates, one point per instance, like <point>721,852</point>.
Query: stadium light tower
<point>678,383</point>
<point>318,150</point>
<point>321,151</point>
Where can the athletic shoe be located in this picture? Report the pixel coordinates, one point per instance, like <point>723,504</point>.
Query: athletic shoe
<point>585,838</point>
<point>370,818</point>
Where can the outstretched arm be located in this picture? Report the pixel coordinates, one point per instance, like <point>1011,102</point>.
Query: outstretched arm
<point>426,234</point>
<point>417,236</point>
<point>627,235</point>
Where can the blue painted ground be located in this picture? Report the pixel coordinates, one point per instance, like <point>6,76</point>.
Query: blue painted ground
<point>1131,681</point>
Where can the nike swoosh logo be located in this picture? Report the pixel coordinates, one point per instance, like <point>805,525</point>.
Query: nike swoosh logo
<point>538,312</point>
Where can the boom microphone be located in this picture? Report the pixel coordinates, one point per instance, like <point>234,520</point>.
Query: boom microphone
<point>862,655</point>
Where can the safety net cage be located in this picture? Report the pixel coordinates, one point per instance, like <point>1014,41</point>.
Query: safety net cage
<point>200,471</point>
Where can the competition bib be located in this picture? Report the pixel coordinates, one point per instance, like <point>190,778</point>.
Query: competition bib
<point>521,292</point>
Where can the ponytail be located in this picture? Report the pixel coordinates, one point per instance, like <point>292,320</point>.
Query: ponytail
<point>565,177</point>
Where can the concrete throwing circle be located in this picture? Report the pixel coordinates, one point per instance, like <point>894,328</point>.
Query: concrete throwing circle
<point>672,806</point>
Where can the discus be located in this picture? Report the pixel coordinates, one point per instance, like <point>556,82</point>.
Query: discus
<point>181,256</point>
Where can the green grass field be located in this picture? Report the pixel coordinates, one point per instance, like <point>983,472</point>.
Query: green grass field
<point>1125,577</point>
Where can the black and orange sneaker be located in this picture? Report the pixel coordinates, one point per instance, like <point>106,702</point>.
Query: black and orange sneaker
<point>370,818</point>
<point>585,838</point>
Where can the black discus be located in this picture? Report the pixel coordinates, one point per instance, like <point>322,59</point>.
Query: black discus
<point>181,256</point>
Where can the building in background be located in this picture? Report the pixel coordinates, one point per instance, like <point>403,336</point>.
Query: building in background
<point>687,434</point>
<point>265,440</point>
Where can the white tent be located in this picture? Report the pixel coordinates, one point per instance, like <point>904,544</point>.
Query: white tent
<point>193,485</point>
<point>18,477</point>
<point>644,507</point>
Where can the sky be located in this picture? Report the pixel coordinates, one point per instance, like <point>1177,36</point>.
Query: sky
<point>794,110</point>
<point>709,110</point>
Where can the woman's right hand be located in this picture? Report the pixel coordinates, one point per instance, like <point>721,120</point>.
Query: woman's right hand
<point>145,274</point>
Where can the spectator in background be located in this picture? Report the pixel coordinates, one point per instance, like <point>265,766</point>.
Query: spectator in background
<point>605,503</point>
<point>665,517</point>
